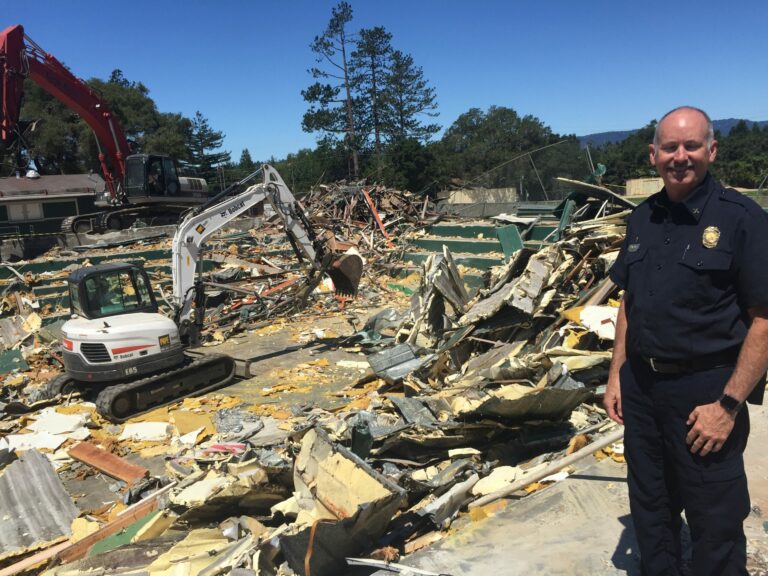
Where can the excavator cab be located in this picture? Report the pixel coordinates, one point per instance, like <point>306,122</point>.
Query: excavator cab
<point>151,176</point>
<point>110,290</point>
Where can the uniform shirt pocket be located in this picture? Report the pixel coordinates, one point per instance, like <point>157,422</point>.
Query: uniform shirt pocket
<point>705,274</point>
<point>634,264</point>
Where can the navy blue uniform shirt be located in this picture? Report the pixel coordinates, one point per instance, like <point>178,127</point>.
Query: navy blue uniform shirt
<point>691,271</point>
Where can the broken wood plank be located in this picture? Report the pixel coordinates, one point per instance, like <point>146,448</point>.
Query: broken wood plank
<point>126,518</point>
<point>556,466</point>
<point>376,216</point>
<point>68,551</point>
<point>108,463</point>
<point>33,561</point>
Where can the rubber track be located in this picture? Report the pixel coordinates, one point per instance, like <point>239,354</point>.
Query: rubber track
<point>159,389</point>
<point>55,386</point>
<point>129,213</point>
<point>122,213</point>
<point>70,222</point>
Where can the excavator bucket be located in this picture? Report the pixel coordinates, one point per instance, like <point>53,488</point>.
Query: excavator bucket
<point>346,271</point>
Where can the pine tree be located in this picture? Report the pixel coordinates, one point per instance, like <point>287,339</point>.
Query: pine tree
<point>409,98</point>
<point>205,148</point>
<point>369,65</point>
<point>331,101</point>
<point>246,164</point>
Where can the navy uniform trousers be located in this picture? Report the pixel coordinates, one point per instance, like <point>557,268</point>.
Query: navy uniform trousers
<point>665,478</point>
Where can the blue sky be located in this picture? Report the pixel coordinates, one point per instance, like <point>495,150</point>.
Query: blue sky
<point>580,67</point>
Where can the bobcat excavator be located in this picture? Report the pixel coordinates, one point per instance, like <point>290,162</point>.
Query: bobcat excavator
<point>118,344</point>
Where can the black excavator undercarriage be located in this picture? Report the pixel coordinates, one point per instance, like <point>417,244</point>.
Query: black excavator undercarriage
<point>119,401</point>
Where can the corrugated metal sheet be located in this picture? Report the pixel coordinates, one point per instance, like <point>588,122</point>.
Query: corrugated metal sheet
<point>34,507</point>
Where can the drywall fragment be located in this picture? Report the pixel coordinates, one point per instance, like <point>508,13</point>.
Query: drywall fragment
<point>349,504</point>
<point>145,431</point>
<point>520,292</point>
<point>230,557</point>
<point>517,402</point>
<point>192,437</point>
<point>457,452</point>
<point>600,320</point>
<point>37,441</point>
<point>51,421</point>
<point>191,555</point>
<point>496,480</point>
<point>199,492</point>
<point>186,421</point>
<point>156,526</point>
<point>354,364</point>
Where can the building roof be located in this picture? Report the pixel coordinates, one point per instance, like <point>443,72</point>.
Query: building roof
<point>64,184</point>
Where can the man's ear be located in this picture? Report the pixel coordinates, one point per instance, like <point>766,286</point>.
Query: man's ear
<point>713,150</point>
<point>652,154</point>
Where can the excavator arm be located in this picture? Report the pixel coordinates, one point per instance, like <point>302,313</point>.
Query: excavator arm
<point>21,58</point>
<point>137,356</point>
<point>345,271</point>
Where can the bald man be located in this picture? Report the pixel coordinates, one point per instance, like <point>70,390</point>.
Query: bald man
<point>691,348</point>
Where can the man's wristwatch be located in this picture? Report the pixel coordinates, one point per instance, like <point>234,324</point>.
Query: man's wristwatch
<point>730,403</point>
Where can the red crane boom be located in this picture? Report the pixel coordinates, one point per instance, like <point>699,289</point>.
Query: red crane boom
<point>21,58</point>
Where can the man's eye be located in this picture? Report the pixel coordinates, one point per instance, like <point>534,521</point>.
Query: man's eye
<point>669,148</point>
<point>692,146</point>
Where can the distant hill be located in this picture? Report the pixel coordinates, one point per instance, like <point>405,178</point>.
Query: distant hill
<point>600,138</point>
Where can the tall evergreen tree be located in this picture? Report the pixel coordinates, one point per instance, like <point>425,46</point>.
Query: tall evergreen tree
<point>332,106</point>
<point>409,99</point>
<point>246,164</point>
<point>369,63</point>
<point>205,148</point>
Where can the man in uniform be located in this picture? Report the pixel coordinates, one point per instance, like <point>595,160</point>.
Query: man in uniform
<point>691,347</point>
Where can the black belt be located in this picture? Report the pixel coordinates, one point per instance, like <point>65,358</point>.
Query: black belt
<point>690,365</point>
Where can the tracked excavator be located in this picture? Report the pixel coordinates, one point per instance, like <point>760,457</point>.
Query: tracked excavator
<point>150,186</point>
<point>118,345</point>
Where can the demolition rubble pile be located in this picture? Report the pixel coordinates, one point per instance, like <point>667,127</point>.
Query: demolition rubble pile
<point>352,204</point>
<point>372,216</point>
<point>465,397</point>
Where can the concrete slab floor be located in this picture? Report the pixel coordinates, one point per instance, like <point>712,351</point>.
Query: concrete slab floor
<point>578,527</point>
<point>274,359</point>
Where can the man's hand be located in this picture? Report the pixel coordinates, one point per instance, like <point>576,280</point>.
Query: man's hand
<point>612,398</point>
<point>711,424</point>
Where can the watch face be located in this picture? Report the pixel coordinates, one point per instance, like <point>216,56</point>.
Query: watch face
<point>729,402</point>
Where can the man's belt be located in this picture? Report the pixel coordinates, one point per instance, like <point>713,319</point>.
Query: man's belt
<point>690,365</point>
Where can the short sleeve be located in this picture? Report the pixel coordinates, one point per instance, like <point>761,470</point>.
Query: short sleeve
<point>751,257</point>
<point>618,272</point>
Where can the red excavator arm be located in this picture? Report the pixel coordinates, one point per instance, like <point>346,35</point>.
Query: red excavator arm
<point>21,58</point>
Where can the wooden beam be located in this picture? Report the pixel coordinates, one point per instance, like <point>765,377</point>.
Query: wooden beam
<point>108,463</point>
<point>555,466</point>
<point>126,518</point>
